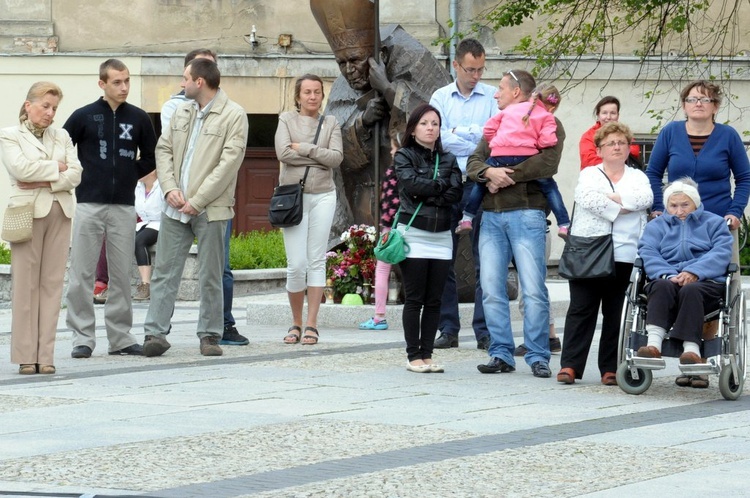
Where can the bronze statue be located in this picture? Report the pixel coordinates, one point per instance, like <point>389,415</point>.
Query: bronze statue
<point>370,92</point>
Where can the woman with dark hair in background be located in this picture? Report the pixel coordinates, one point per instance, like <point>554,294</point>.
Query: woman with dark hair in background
<point>429,184</point>
<point>606,111</point>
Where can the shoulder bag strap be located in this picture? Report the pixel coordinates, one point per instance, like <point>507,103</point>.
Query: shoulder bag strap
<point>574,204</point>
<point>315,141</point>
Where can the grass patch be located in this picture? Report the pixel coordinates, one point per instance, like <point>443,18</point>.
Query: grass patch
<point>257,250</point>
<point>4,254</point>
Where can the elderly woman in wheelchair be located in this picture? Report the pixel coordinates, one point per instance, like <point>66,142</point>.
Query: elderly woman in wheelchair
<point>685,253</point>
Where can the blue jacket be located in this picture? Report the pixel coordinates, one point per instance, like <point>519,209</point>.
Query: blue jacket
<point>701,245</point>
<point>722,153</point>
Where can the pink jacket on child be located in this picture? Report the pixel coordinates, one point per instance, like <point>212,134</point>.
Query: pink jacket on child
<point>508,135</point>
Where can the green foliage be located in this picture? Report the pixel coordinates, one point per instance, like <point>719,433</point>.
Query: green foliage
<point>4,254</point>
<point>257,250</point>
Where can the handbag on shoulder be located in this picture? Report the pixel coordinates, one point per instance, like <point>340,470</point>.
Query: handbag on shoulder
<point>285,209</point>
<point>587,257</point>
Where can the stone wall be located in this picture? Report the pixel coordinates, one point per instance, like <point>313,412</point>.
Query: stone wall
<point>246,282</point>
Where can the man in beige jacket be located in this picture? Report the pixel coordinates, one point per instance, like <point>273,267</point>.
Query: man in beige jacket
<point>197,160</point>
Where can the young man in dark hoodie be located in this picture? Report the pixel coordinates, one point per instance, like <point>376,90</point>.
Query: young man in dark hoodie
<point>115,142</point>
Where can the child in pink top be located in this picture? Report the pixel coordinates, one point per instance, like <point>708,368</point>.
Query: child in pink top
<point>514,134</point>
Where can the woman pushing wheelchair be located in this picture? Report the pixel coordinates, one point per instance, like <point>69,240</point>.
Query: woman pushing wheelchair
<point>685,255</point>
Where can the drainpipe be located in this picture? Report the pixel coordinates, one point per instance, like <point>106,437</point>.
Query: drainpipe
<point>452,11</point>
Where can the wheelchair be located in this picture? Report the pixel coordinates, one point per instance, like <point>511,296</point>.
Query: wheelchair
<point>725,353</point>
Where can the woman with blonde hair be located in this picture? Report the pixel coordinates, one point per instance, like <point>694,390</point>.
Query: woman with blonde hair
<point>309,146</point>
<point>44,171</point>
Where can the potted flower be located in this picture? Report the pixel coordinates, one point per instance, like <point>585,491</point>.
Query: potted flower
<point>352,264</point>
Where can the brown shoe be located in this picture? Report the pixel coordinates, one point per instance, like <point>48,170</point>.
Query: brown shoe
<point>210,346</point>
<point>47,369</point>
<point>648,352</point>
<point>690,358</point>
<point>566,376</point>
<point>609,379</point>
<point>142,292</point>
<point>27,369</point>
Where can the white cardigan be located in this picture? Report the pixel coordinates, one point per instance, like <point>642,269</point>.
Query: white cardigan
<point>595,213</point>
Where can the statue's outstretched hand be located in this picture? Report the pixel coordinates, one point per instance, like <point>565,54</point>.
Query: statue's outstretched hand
<point>374,112</point>
<point>378,78</point>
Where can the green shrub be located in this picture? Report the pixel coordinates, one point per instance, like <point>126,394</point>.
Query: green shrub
<point>4,254</point>
<point>257,250</point>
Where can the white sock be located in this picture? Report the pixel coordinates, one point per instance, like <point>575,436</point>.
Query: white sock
<point>691,347</point>
<point>655,336</point>
<point>467,217</point>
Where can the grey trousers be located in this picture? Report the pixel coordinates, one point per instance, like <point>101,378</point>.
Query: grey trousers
<point>172,248</point>
<point>91,223</point>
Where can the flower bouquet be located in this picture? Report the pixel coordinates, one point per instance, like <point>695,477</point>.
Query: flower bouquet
<point>352,265</point>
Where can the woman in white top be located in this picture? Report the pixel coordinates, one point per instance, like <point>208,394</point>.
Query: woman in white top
<point>148,207</point>
<point>609,197</point>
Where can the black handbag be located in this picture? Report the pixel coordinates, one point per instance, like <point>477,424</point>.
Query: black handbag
<point>285,209</point>
<point>588,257</point>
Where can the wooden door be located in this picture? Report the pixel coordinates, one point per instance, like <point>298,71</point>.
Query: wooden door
<point>258,176</point>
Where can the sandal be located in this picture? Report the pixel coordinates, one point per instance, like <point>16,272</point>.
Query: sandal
<point>293,337</point>
<point>310,339</point>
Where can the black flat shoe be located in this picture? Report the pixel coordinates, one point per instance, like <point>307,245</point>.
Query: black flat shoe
<point>445,341</point>
<point>81,352</point>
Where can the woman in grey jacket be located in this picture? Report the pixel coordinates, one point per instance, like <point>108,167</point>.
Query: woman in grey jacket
<point>305,244</point>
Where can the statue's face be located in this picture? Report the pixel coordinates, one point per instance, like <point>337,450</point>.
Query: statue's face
<point>355,68</point>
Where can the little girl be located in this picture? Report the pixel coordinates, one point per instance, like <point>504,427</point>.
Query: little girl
<point>514,134</point>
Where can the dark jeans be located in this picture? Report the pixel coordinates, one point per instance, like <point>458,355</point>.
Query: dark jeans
<point>227,280</point>
<point>586,296</point>
<point>474,201</point>
<point>683,308</point>
<point>144,238</point>
<point>450,323</point>
<point>423,281</point>
<point>554,200</point>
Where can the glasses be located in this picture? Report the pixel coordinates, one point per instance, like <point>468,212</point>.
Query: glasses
<point>618,143</point>
<point>512,75</point>
<point>473,70</point>
<point>695,100</point>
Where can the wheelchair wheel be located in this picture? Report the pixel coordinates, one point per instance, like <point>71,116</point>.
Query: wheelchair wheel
<point>628,384</point>
<point>729,386</point>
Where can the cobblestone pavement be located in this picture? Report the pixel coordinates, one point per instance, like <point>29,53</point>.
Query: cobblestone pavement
<point>346,419</point>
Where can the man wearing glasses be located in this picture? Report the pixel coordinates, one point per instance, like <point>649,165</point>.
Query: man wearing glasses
<point>514,226</point>
<point>465,106</point>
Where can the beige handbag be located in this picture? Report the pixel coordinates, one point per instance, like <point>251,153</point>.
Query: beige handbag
<point>18,223</point>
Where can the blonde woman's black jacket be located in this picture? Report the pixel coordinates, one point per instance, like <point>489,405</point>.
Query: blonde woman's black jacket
<point>415,166</point>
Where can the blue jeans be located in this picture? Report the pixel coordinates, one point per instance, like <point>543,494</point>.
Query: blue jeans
<point>519,235</point>
<point>549,188</point>
<point>450,323</point>
<point>227,280</point>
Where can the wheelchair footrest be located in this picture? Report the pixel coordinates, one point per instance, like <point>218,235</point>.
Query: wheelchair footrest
<point>648,363</point>
<point>699,369</point>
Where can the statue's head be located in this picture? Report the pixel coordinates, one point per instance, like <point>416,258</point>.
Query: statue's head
<point>349,27</point>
